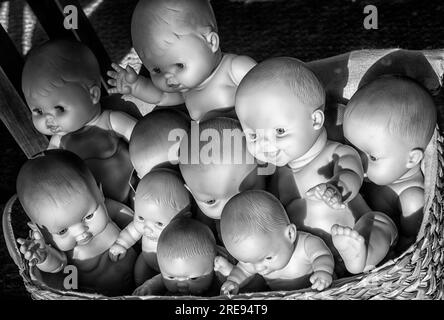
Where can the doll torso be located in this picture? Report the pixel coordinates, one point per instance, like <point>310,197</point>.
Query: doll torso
<point>105,154</point>
<point>96,271</point>
<point>217,92</point>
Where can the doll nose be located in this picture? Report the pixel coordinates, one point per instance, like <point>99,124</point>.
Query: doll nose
<point>259,267</point>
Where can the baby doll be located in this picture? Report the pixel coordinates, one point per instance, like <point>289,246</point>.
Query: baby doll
<point>186,251</point>
<point>217,170</point>
<point>160,196</point>
<point>155,140</point>
<point>257,232</point>
<point>280,105</point>
<point>390,121</point>
<point>178,43</point>
<point>61,84</point>
<point>75,227</point>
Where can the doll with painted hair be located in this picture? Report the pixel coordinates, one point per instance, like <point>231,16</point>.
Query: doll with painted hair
<point>390,121</point>
<point>160,196</point>
<point>61,84</point>
<point>257,232</point>
<point>186,251</point>
<point>73,223</point>
<point>178,43</point>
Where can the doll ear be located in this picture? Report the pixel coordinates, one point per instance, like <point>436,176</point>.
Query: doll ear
<point>318,118</point>
<point>94,92</point>
<point>291,232</point>
<point>212,39</point>
<point>415,157</point>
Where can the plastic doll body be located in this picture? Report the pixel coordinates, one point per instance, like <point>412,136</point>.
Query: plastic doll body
<point>264,242</point>
<point>64,99</point>
<point>182,54</point>
<point>392,141</point>
<point>160,197</point>
<point>319,180</point>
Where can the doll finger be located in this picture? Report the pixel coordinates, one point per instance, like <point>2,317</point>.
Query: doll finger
<point>112,82</point>
<point>112,74</point>
<point>21,241</point>
<point>116,67</point>
<point>131,70</point>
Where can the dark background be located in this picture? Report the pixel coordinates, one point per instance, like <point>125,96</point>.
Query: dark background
<point>306,29</point>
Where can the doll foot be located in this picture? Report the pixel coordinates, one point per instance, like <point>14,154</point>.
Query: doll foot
<point>223,266</point>
<point>351,246</point>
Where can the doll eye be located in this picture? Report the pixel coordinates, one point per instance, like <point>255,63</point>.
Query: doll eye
<point>89,217</point>
<point>372,158</point>
<point>62,232</point>
<point>169,277</point>
<point>37,111</point>
<point>269,258</point>
<point>194,278</point>
<point>141,218</point>
<point>180,65</point>
<point>159,224</point>
<point>59,108</point>
<point>156,70</point>
<point>252,136</point>
<point>210,202</point>
<point>280,131</point>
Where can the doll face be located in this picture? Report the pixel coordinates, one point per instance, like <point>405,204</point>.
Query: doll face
<point>65,109</point>
<point>265,253</point>
<point>213,188</point>
<point>192,275</point>
<point>150,218</point>
<point>384,155</point>
<point>183,65</point>
<point>278,128</point>
<point>76,223</point>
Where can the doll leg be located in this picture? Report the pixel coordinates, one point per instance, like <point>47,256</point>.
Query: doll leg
<point>223,266</point>
<point>142,271</point>
<point>367,244</point>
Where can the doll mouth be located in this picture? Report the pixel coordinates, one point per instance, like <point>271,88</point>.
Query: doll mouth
<point>84,239</point>
<point>54,129</point>
<point>151,238</point>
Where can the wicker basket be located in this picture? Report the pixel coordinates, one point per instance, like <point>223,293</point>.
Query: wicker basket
<point>415,274</point>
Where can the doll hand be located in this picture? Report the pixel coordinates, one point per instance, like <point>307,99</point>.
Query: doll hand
<point>34,248</point>
<point>328,193</point>
<point>229,287</point>
<point>320,280</point>
<point>117,252</point>
<point>122,80</point>
<point>148,288</point>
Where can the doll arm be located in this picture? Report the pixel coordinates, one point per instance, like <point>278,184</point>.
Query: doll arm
<point>127,238</point>
<point>237,278</point>
<point>153,286</point>
<point>38,253</point>
<point>321,260</point>
<point>54,142</point>
<point>240,67</point>
<point>348,175</point>
<point>412,203</point>
<point>122,123</point>
<point>127,81</point>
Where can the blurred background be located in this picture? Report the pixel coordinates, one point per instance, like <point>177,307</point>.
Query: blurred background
<point>305,29</point>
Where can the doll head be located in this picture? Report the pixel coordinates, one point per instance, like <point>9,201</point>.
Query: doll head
<point>255,229</point>
<point>160,196</point>
<point>215,164</point>
<point>59,194</point>
<point>155,140</point>
<point>61,84</point>
<point>186,252</point>
<point>177,42</point>
<point>390,121</point>
<point>280,105</point>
